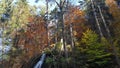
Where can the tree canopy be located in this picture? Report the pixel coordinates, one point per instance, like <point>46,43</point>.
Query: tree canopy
<point>70,34</point>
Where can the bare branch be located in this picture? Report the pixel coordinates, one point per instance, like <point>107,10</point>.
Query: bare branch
<point>64,2</point>
<point>57,3</point>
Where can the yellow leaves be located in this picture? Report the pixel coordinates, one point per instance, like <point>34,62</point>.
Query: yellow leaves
<point>35,36</point>
<point>13,49</point>
<point>78,12</point>
<point>75,33</point>
<point>75,15</point>
<point>114,10</point>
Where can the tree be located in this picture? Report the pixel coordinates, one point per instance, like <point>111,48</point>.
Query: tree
<point>34,39</point>
<point>115,24</point>
<point>94,50</point>
<point>76,17</point>
<point>61,5</point>
<point>116,15</point>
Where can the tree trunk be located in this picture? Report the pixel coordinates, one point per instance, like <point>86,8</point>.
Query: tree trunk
<point>71,35</point>
<point>48,42</point>
<point>109,37</point>
<point>63,33</point>
<point>97,22</point>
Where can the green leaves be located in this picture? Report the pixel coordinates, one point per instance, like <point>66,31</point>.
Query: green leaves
<point>92,45</point>
<point>89,37</point>
<point>94,49</point>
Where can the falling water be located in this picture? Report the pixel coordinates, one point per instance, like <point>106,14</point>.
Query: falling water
<point>40,62</point>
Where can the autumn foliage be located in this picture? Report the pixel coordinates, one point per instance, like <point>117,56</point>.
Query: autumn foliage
<point>75,16</point>
<point>115,11</point>
<point>34,39</point>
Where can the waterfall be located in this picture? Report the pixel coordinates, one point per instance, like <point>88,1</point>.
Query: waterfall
<point>40,62</point>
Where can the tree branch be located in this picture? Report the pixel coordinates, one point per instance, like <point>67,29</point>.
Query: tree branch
<point>57,3</point>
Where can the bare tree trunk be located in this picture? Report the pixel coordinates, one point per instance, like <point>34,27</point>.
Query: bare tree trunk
<point>63,33</point>
<point>56,30</point>
<point>109,37</point>
<point>97,22</point>
<point>71,35</point>
<point>47,31</point>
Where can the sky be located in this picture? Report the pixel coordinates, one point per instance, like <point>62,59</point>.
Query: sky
<point>42,2</point>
